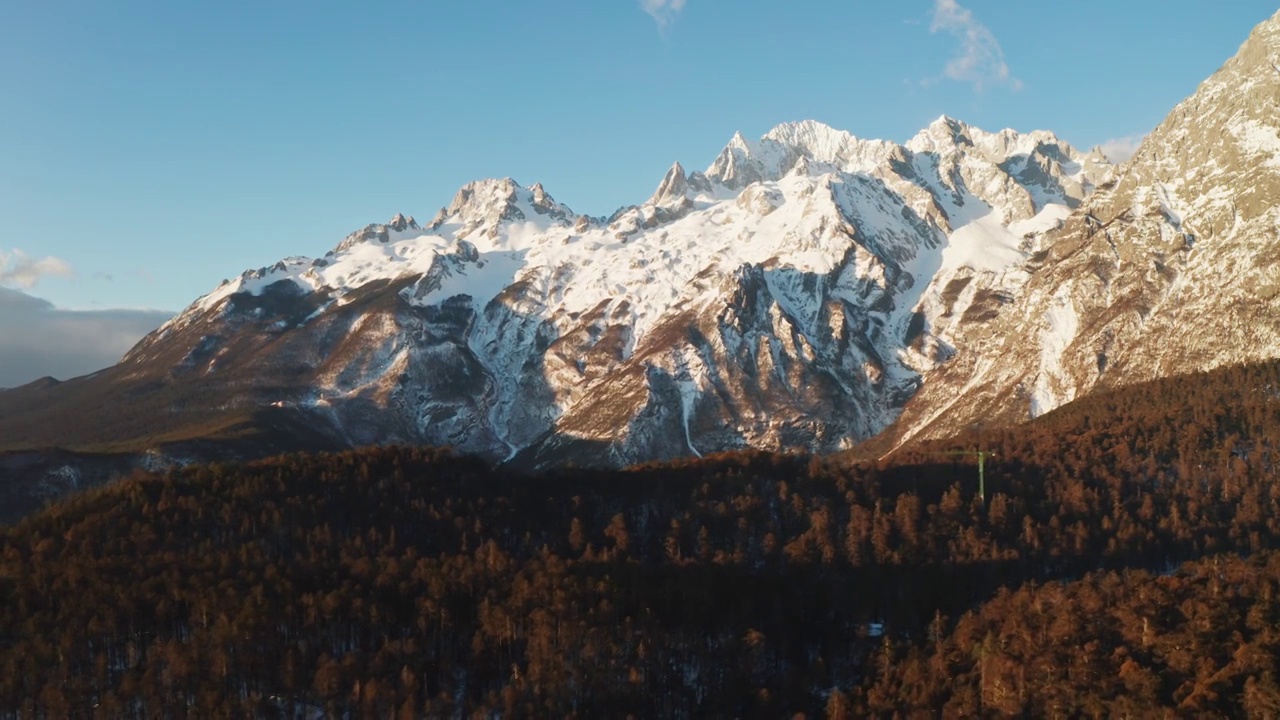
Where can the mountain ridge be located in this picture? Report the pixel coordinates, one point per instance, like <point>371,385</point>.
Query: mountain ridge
<point>809,289</point>
<point>785,274</point>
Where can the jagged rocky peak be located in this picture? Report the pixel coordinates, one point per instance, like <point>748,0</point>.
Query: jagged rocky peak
<point>819,138</point>
<point>1026,171</point>
<point>947,135</point>
<point>399,227</point>
<point>944,134</point>
<point>401,223</point>
<point>378,232</point>
<point>822,143</point>
<point>671,201</point>
<point>733,167</point>
<point>673,189</point>
<point>779,151</point>
<point>481,199</point>
<point>544,204</point>
<point>483,206</point>
<point>852,226</point>
<point>1096,157</point>
<point>541,198</point>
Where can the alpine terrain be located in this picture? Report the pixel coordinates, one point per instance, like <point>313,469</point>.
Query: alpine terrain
<point>1173,268</point>
<point>795,294</point>
<point>809,289</point>
<point>976,425</point>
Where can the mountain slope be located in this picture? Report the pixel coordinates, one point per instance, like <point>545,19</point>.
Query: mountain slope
<point>1174,269</point>
<point>792,295</point>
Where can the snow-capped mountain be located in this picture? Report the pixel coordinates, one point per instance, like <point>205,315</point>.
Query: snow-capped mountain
<point>809,289</point>
<point>794,294</point>
<point>1174,268</point>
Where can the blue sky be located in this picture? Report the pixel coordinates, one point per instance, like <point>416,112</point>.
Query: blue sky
<point>150,149</point>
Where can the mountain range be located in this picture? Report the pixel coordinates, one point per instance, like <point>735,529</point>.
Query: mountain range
<point>808,290</point>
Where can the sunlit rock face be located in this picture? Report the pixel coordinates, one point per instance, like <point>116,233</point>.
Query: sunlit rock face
<point>1172,268</point>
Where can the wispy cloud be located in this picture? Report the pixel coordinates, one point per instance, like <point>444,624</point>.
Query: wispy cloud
<point>663,12</point>
<point>1120,149</point>
<point>38,339</point>
<point>980,60</point>
<point>20,269</point>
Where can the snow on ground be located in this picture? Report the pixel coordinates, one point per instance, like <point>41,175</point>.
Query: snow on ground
<point>1061,325</point>
<point>652,268</point>
<point>688,396</point>
<point>496,232</point>
<point>1050,217</point>
<point>1258,139</point>
<point>982,244</point>
<point>481,280</point>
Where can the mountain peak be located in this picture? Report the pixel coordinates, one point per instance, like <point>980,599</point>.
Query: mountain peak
<point>822,143</point>
<point>946,121</point>
<point>400,223</point>
<point>944,133</point>
<point>793,131</point>
<point>673,188</point>
<point>734,166</point>
<point>543,204</point>
<point>776,153</point>
<point>947,126</point>
<point>481,203</point>
<point>484,205</point>
<point>1097,154</point>
<point>540,196</point>
<point>375,232</point>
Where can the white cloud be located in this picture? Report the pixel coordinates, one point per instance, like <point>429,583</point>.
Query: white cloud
<point>980,60</point>
<point>1120,149</point>
<point>20,269</point>
<point>38,339</point>
<point>663,12</point>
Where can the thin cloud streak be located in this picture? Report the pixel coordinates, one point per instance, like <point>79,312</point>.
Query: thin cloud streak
<point>663,12</point>
<point>980,60</point>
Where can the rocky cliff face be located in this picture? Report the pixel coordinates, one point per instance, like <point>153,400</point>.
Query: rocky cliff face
<point>1173,268</point>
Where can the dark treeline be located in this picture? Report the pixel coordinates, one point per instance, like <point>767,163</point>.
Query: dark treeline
<point>410,583</point>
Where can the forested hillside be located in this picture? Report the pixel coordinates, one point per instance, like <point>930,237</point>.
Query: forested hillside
<point>418,583</point>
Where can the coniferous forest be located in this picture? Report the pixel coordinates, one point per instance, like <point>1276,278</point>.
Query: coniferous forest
<point>1125,562</point>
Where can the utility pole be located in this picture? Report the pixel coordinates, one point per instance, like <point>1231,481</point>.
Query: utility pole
<point>982,456</point>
